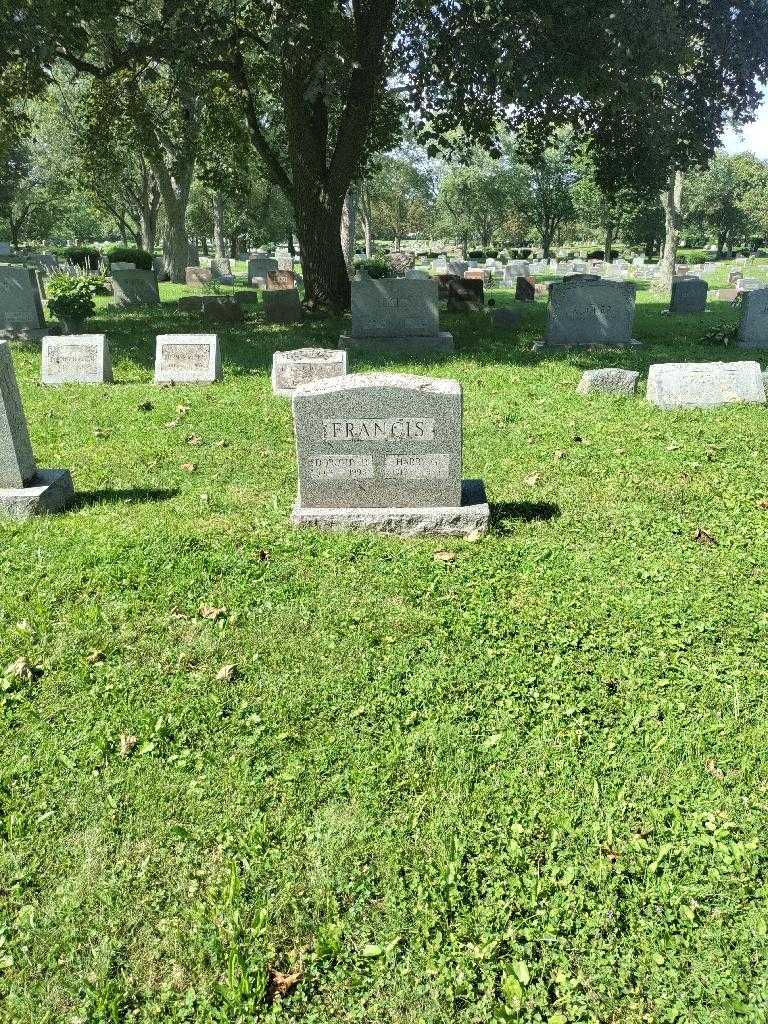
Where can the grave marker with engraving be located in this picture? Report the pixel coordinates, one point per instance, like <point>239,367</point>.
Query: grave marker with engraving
<point>76,359</point>
<point>753,329</point>
<point>704,385</point>
<point>689,295</point>
<point>396,315</point>
<point>584,312</point>
<point>305,365</point>
<point>135,288</point>
<point>21,308</point>
<point>187,359</point>
<point>383,451</point>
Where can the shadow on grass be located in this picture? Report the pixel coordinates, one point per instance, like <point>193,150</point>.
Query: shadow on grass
<point>128,496</point>
<point>502,512</point>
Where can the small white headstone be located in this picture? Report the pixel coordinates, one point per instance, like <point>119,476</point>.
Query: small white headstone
<point>187,359</point>
<point>704,385</point>
<point>76,359</point>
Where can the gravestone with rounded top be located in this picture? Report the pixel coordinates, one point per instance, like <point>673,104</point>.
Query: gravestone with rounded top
<point>187,359</point>
<point>753,328</point>
<point>76,359</point>
<point>396,315</point>
<point>305,365</point>
<point>135,287</point>
<point>689,295</point>
<point>584,312</point>
<point>21,308</point>
<point>704,385</point>
<point>25,490</point>
<point>383,451</point>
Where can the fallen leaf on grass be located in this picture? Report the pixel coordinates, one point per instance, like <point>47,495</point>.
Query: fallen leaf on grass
<point>704,538</point>
<point>189,467</point>
<point>23,669</point>
<point>532,480</point>
<point>559,454</point>
<point>171,424</point>
<point>209,611</point>
<point>473,536</point>
<point>263,555</point>
<point>445,556</point>
<point>183,409</point>
<point>100,433</point>
<point>713,770</point>
<point>194,439</point>
<point>226,673</point>
<point>221,444</point>
<point>763,503</point>
<point>127,743</point>
<point>283,984</point>
<point>95,657</point>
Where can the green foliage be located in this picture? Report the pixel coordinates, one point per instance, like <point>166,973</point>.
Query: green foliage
<point>85,256</point>
<point>693,256</point>
<point>375,267</point>
<point>70,297</point>
<point>129,254</point>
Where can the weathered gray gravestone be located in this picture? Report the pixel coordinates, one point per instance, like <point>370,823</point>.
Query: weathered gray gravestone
<point>704,385</point>
<point>689,295</point>
<point>753,329</point>
<point>187,359</point>
<point>21,308</point>
<point>305,365</point>
<point>465,295</point>
<point>258,268</point>
<point>135,288</point>
<point>196,276</point>
<point>525,290</point>
<point>396,315</point>
<point>583,313</point>
<point>76,359</point>
<point>608,380</point>
<point>282,306</point>
<point>25,490</point>
<point>383,452</point>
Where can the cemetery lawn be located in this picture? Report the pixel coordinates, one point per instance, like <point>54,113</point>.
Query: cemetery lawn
<point>250,773</point>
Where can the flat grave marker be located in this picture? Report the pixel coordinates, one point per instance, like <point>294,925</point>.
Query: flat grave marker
<point>704,385</point>
<point>305,365</point>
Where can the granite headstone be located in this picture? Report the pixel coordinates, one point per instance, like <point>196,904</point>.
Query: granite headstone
<point>135,288</point>
<point>282,306</point>
<point>704,385</point>
<point>305,365</point>
<point>396,315</point>
<point>585,312</point>
<point>76,359</point>
<point>689,295</point>
<point>21,308</point>
<point>187,359</point>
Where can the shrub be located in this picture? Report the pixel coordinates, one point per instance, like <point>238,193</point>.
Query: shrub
<point>70,297</point>
<point>375,267</point>
<point>85,256</point>
<point>693,256</point>
<point>475,254</point>
<point>129,254</point>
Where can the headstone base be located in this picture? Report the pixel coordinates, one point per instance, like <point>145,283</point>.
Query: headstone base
<point>545,346</point>
<point>29,333</point>
<point>442,342</point>
<point>52,490</point>
<point>472,516</point>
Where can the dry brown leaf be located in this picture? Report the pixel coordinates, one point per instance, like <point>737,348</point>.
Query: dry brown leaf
<point>713,770</point>
<point>171,424</point>
<point>473,536</point>
<point>559,454</point>
<point>221,444</point>
<point>127,743</point>
<point>183,409</point>
<point>189,467</point>
<point>283,984</point>
<point>763,503</point>
<point>95,657</point>
<point>194,439</point>
<point>23,669</point>
<point>445,556</point>
<point>100,433</point>
<point>263,555</point>
<point>209,611</point>
<point>703,537</point>
<point>532,480</point>
<point>226,673</point>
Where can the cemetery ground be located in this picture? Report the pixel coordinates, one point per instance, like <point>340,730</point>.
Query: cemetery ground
<point>251,772</point>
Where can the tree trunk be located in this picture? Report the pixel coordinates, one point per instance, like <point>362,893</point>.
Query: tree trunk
<point>348,228</point>
<point>608,241</point>
<point>176,245</point>
<point>672,201</point>
<point>325,273</point>
<point>219,237</point>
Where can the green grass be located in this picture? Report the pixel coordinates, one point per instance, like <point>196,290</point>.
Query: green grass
<point>529,784</point>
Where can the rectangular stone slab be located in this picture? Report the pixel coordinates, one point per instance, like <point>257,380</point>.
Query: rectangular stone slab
<point>472,516</point>
<point>187,359</point>
<point>689,295</point>
<point>304,365</point>
<point>282,306</point>
<point>584,312</point>
<point>379,440</point>
<point>259,268</point>
<point>17,460</point>
<point>21,308</point>
<point>135,287</point>
<point>76,359</point>
<point>753,329</point>
<point>394,308</point>
<point>704,385</point>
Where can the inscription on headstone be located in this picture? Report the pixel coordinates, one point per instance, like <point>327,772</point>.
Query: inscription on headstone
<point>395,314</point>
<point>283,306</point>
<point>197,276</point>
<point>258,268</point>
<point>76,359</point>
<point>585,312</point>
<point>304,365</point>
<point>689,295</point>
<point>135,288</point>
<point>187,358</point>
<point>704,385</point>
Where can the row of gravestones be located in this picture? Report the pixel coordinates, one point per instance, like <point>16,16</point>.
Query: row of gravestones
<point>683,385</point>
